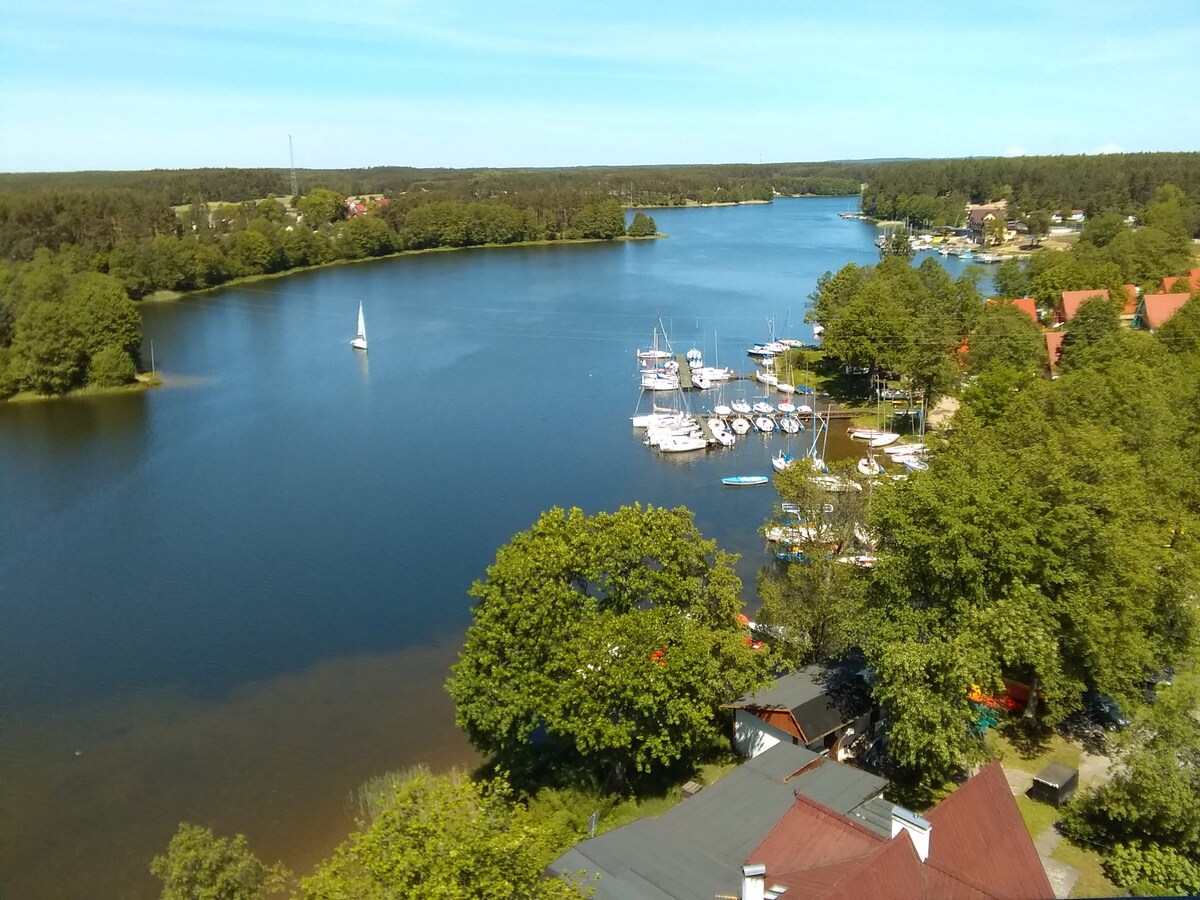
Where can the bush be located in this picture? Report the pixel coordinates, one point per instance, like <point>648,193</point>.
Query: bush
<point>1152,870</point>
<point>111,367</point>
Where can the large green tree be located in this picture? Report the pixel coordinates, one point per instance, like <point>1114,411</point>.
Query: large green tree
<point>442,836</point>
<point>1005,336</point>
<point>615,634</point>
<point>200,866</point>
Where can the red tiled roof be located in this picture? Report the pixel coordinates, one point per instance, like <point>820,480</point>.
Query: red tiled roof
<point>1131,299</point>
<point>979,849</point>
<point>1026,305</point>
<point>1054,341</point>
<point>810,836</point>
<point>1072,300</point>
<point>1157,308</point>
<point>978,833</point>
<point>1192,277</point>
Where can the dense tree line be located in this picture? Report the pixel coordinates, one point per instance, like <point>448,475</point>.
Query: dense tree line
<point>1054,543</point>
<point>934,190</point>
<point>74,276</point>
<point>417,835</point>
<point>63,325</point>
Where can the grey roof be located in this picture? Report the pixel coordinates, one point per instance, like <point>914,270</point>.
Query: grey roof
<point>696,849</point>
<point>789,691</point>
<point>821,698</point>
<point>1056,774</point>
<point>839,787</point>
<point>876,814</point>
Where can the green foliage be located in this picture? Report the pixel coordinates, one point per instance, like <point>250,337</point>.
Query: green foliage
<point>1147,813</point>
<point>604,220</point>
<point>321,206</point>
<point>1181,333</point>
<point>1006,337</point>
<point>1010,279</point>
<point>994,390</point>
<point>892,317</point>
<point>49,349</point>
<point>1028,550</point>
<point>111,367</point>
<point>1151,870</point>
<point>1096,320</point>
<point>442,836</point>
<point>200,866</point>
<point>365,236</point>
<point>642,225</point>
<point>815,606</point>
<point>617,634</point>
<point>107,317</point>
<point>899,244</point>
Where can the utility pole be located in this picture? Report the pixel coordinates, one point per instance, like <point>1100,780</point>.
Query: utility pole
<point>292,161</point>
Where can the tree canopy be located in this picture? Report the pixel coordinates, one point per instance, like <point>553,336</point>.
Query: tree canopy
<point>442,836</point>
<point>612,637</point>
<point>200,866</point>
<point>895,318</point>
<point>1031,548</point>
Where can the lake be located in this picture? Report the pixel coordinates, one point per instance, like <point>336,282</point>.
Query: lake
<point>232,599</point>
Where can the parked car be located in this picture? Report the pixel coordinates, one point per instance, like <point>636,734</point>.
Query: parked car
<point>889,393</point>
<point>1104,711</point>
<point>1163,676</point>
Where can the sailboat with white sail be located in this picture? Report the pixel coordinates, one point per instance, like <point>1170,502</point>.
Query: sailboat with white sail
<point>360,339</point>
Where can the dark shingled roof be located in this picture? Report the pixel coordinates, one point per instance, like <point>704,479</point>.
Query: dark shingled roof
<point>820,698</point>
<point>696,849</point>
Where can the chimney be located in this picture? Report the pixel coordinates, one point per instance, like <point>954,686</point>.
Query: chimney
<point>917,828</point>
<point>754,882</point>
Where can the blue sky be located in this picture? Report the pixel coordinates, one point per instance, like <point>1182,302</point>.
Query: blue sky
<point>101,84</point>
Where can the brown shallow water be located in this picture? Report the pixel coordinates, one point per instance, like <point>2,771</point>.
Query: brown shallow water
<point>275,761</point>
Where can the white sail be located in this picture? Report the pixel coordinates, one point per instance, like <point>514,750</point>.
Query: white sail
<point>360,339</point>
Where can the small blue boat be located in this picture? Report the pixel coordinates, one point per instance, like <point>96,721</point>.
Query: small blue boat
<point>742,480</point>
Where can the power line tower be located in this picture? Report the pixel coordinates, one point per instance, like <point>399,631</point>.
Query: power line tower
<point>292,160</point>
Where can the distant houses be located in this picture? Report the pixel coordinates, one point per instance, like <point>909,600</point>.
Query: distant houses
<point>1147,312</point>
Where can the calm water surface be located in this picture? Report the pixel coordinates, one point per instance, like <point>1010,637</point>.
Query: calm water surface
<point>231,600</point>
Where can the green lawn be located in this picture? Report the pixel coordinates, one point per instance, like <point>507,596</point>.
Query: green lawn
<point>1038,816</point>
<point>1092,882</point>
<point>1032,754</point>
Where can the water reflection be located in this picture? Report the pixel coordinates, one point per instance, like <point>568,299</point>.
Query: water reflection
<point>364,366</point>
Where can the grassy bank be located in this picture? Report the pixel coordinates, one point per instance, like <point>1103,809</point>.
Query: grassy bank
<point>144,381</point>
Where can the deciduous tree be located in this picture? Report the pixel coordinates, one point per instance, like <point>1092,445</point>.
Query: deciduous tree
<point>200,866</point>
<point>442,836</point>
<point>616,634</point>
